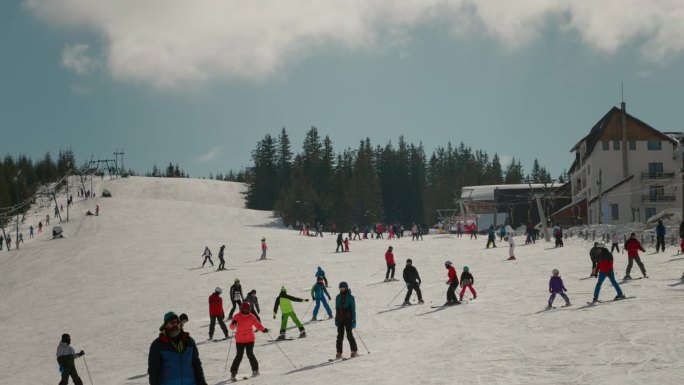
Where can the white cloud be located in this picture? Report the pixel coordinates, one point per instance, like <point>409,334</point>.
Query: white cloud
<point>75,57</point>
<point>210,155</point>
<point>169,43</point>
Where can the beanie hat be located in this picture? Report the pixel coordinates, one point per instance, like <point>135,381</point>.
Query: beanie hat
<point>183,317</point>
<point>169,316</point>
<point>237,280</point>
<point>409,260</point>
<point>66,337</point>
<point>283,288</point>
<point>344,285</point>
<point>465,268</point>
<point>245,306</point>
<point>218,290</point>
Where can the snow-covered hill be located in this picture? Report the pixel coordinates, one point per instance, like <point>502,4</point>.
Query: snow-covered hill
<point>109,282</point>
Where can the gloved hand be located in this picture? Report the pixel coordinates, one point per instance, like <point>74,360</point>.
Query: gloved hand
<point>408,285</point>
<point>306,300</point>
<point>353,324</point>
<point>61,368</point>
<point>564,289</point>
<point>265,330</point>
<point>447,282</point>
<point>274,315</point>
<point>550,290</point>
<point>81,353</point>
<point>233,323</point>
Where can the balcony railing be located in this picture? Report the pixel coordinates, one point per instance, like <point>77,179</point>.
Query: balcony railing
<point>658,175</point>
<point>657,198</point>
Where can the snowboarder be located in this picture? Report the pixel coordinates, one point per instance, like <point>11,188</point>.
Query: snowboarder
<point>321,274</point>
<point>318,294</point>
<point>222,262</point>
<point>65,358</point>
<point>264,247</point>
<point>467,282</point>
<point>453,284</point>
<point>207,256</point>
<point>491,236</point>
<point>253,302</point>
<point>556,286</point>
<point>284,301</point>
<point>511,247</point>
<point>345,319</point>
<point>173,357</point>
<point>236,297</point>
<point>660,236</point>
<point>340,246</point>
<point>633,246</point>
<point>605,269</point>
<point>389,260</point>
<point>412,279</point>
<point>244,324</point>
<point>216,313</point>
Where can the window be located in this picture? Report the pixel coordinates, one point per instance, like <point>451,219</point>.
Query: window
<point>632,145</point>
<point>650,211</point>
<point>616,145</point>
<point>654,192</point>
<point>614,211</point>
<point>654,145</point>
<point>606,145</point>
<point>654,169</point>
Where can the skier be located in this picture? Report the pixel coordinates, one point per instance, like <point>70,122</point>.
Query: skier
<point>420,232</point>
<point>236,297</point>
<point>633,246</point>
<point>216,313</point>
<point>253,302</point>
<point>467,281</point>
<point>459,230</point>
<point>453,284</point>
<point>183,318</point>
<point>340,246</point>
<point>473,230</point>
<point>491,236</point>
<point>389,260</point>
<point>615,239</point>
<point>558,235</point>
<point>502,232</point>
<point>345,320</point>
<point>264,247</point>
<point>346,245</point>
<point>319,230</point>
<point>594,254</point>
<point>222,262</point>
<point>511,247</point>
<point>207,256</point>
<point>357,232</point>
<point>414,232</point>
<point>605,269</point>
<point>660,236</point>
<point>556,287</point>
<point>413,282</point>
<point>40,227</point>
<point>318,294</point>
<point>245,323</point>
<point>321,274</point>
<point>65,358</point>
<point>173,357</point>
<point>30,231</point>
<point>284,301</point>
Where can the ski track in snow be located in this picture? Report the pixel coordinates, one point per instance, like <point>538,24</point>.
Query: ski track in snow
<point>111,279</point>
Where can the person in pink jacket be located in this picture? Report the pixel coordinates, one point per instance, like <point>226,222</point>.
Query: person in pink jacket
<point>245,322</point>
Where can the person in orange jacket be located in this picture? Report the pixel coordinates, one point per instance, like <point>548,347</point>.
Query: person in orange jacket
<point>244,323</point>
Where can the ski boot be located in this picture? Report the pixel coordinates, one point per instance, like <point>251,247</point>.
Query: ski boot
<point>549,306</point>
<point>233,376</point>
<point>420,301</point>
<point>302,334</point>
<point>281,337</point>
<point>338,356</point>
<point>595,300</point>
<point>627,277</point>
<point>354,354</point>
<point>255,373</point>
<point>474,297</point>
<point>314,318</point>
<point>406,303</point>
<point>619,297</point>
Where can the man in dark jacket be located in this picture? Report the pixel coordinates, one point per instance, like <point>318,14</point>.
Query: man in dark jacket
<point>65,359</point>
<point>412,280</point>
<point>660,236</point>
<point>174,358</point>
<point>345,319</point>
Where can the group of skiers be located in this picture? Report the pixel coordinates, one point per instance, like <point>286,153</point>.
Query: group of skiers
<point>206,254</point>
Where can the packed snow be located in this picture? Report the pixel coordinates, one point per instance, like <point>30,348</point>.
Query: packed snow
<point>111,279</point>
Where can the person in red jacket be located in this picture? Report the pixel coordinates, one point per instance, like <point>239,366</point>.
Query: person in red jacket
<point>453,284</point>
<point>389,259</point>
<point>605,269</point>
<point>245,322</point>
<point>632,245</point>
<point>216,313</point>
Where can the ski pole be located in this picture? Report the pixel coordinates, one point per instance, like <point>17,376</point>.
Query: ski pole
<point>87,370</point>
<point>281,350</point>
<point>395,297</point>
<point>308,307</point>
<point>381,269</point>
<point>361,339</point>
<point>228,355</point>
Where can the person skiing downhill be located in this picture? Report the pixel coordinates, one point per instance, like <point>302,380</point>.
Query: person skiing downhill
<point>264,248</point>
<point>216,313</point>
<point>253,302</point>
<point>345,320</point>
<point>605,269</point>
<point>244,323</point>
<point>389,260</point>
<point>318,294</point>
<point>467,282</point>
<point>413,282</point>
<point>65,358</point>
<point>633,246</point>
<point>222,262</point>
<point>284,302</point>
<point>207,256</point>
<point>556,286</point>
<point>236,296</point>
<point>453,284</point>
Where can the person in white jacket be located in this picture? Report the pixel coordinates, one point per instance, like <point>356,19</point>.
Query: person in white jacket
<point>615,240</point>
<point>511,247</point>
<point>65,359</point>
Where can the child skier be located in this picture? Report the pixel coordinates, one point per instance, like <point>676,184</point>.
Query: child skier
<point>284,301</point>
<point>245,323</point>
<point>65,358</point>
<point>345,320</point>
<point>467,282</point>
<point>216,313</point>
<point>511,247</point>
<point>556,287</point>
<point>207,256</point>
<point>491,236</point>
<point>346,245</point>
<point>264,247</point>
<point>318,294</point>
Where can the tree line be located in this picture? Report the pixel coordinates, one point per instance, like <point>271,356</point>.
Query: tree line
<point>369,184</point>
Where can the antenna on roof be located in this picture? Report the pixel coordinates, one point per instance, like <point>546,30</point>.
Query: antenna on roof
<point>622,92</point>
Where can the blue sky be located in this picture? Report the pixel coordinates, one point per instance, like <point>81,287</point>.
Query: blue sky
<point>200,84</point>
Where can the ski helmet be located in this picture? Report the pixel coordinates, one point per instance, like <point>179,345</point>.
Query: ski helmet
<point>555,272</point>
<point>218,290</point>
<point>447,263</point>
<point>344,285</point>
<point>465,268</point>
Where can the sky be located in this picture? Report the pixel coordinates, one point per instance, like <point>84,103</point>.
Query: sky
<point>199,83</point>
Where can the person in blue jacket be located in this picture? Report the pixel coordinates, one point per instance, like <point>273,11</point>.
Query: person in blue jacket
<point>502,232</point>
<point>318,294</point>
<point>174,358</point>
<point>345,319</point>
<point>660,236</point>
<point>491,236</point>
<point>321,274</point>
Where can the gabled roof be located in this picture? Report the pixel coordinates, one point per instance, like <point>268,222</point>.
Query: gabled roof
<point>597,130</point>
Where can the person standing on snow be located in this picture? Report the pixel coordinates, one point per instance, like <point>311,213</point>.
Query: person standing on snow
<point>605,269</point>
<point>556,286</point>
<point>340,246</point>
<point>660,236</point>
<point>216,313</point>
<point>284,301</point>
<point>467,282</point>
<point>502,232</point>
<point>236,296</point>
<point>346,245</point>
<point>321,274</point>
<point>65,358</point>
<point>594,254</point>
<point>491,236</point>
<point>511,247</point>
<point>345,320</point>
<point>318,294</point>
<point>253,302</point>
<point>264,247</point>
<point>453,284</point>
<point>633,246</point>
<point>207,256</point>
<point>615,239</point>
<point>389,260</point>
<point>173,357</point>
<point>413,282</point>
<point>222,262</point>
<point>244,324</point>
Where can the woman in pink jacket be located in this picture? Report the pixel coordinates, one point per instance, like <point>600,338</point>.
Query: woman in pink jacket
<point>245,322</point>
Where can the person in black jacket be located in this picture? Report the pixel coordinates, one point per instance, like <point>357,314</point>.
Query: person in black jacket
<point>222,262</point>
<point>173,356</point>
<point>65,358</point>
<point>412,280</point>
<point>253,302</point>
<point>236,297</point>
<point>594,254</point>
<point>467,281</point>
<point>340,246</point>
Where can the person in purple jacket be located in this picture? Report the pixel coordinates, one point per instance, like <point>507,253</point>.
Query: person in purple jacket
<point>556,287</point>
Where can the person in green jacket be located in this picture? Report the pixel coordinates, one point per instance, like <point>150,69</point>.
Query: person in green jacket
<point>284,301</point>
